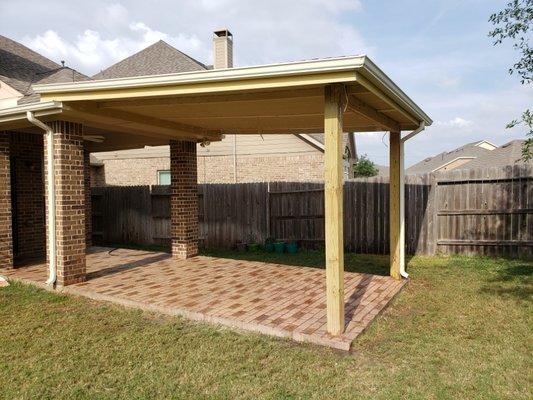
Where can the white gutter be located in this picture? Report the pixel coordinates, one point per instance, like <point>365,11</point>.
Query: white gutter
<point>18,113</point>
<point>420,128</point>
<point>52,250</point>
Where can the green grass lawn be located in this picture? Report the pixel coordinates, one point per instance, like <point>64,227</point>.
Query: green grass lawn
<point>460,329</point>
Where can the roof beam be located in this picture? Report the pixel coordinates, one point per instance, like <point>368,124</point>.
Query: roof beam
<point>224,98</point>
<point>360,107</point>
<point>146,123</point>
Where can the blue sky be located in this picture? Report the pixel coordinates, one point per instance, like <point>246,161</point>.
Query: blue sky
<point>437,51</point>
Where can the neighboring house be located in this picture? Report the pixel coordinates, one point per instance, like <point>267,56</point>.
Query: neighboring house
<point>237,158</point>
<point>507,154</point>
<point>458,158</point>
<point>20,68</point>
<point>481,154</point>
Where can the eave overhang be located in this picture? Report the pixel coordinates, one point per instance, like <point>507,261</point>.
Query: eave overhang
<point>18,113</point>
<point>346,70</point>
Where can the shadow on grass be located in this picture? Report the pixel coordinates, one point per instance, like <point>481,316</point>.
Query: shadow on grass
<point>514,280</point>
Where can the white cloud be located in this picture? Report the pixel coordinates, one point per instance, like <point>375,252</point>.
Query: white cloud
<point>90,52</point>
<point>264,32</point>
<point>456,122</point>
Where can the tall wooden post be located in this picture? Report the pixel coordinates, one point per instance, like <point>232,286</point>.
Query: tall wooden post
<point>395,203</point>
<point>333,187</point>
<point>402,207</point>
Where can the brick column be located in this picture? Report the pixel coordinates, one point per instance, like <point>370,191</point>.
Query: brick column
<point>183,199</point>
<point>70,201</point>
<point>88,205</point>
<point>6,232</point>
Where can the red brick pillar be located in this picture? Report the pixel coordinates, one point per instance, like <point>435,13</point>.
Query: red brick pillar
<point>6,232</point>
<point>183,199</point>
<point>70,201</point>
<point>88,205</point>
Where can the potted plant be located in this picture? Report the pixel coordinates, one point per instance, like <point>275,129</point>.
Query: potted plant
<point>269,244</point>
<point>253,246</point>
<point>279,247</point>
<point>292,246</point>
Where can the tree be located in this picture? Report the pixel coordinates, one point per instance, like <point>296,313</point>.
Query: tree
<point>515,23</point>
<point>364,167</point>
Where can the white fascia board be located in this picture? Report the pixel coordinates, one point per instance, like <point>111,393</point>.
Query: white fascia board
<point>39,110</point>
<point>452,161</point>
<point>372,72</point>
<point>312,141</point>
<point>228,74</point>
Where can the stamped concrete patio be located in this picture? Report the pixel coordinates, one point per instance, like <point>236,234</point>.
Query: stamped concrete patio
<point>273,299</point>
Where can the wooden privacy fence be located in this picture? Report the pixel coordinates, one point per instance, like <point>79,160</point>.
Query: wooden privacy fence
<point>487,211</point>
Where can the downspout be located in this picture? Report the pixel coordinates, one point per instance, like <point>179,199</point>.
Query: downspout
<point>420,128</point>
<point>51,196</point>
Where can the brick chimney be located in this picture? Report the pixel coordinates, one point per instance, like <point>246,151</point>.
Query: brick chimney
<point>222,49</point>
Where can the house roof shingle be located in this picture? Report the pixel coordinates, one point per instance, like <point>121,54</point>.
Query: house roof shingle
<point>507,154</point>
<point>21,67</point>
<point>157,59</point>
<point>430,164</point>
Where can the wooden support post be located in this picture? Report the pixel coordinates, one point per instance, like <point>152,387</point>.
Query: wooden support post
<point>394,204</point>
<point>333,187</point>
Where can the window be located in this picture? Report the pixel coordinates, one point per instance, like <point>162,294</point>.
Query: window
<point>163,177</point>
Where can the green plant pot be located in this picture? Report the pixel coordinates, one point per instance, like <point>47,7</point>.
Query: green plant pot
<point>292,248</point>
<point>269,247</point>
<point>254,247</point>
<point>279,247</point>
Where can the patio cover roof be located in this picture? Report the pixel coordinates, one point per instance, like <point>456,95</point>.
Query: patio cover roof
<point>204,105</point>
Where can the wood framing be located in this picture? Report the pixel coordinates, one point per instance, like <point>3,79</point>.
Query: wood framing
<point>208,87</point>
<point>394,203</point>
<point>159,126</point>
<point>333,187</point>
<point>360,107</point>
<point>218,98</point>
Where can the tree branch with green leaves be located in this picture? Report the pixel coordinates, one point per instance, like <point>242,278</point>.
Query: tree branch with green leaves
<point>515,23</point>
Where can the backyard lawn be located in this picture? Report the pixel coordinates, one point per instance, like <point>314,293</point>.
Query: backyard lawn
<point>460,329</point>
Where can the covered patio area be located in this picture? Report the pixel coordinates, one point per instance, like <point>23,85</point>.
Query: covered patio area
<point>333,96</point>
<point>279,300</point>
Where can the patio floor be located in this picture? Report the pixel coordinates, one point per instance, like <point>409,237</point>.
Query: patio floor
<point>273,299</point>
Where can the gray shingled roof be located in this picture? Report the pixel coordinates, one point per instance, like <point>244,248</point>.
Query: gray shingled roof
<point>432,163</point>
<point>507,154</point>
<point>157,59</point>
<point>21,67</point>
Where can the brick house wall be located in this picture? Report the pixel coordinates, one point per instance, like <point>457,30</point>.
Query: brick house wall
<point>29,210</point>
<point>6,243</point>
<point>214,169</point>
<point>250,168</point>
